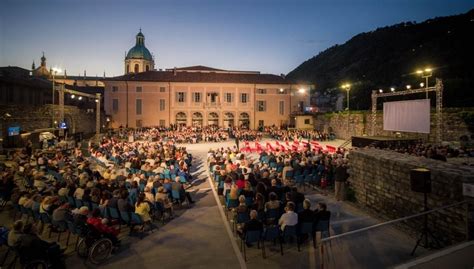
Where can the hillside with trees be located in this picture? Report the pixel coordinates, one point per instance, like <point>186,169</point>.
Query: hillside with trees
<point>388,57</point>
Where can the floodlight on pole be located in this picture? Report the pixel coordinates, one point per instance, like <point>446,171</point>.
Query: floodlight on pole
<point>54,71</point>
<point>347,87</point>
<point>426,74</point>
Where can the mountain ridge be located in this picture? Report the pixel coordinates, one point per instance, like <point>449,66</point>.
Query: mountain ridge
<point>389,56</point>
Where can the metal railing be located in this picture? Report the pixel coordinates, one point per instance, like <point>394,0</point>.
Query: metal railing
<point>380,245</point>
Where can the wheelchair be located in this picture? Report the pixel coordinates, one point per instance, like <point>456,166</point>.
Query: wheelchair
<point>94,246</point>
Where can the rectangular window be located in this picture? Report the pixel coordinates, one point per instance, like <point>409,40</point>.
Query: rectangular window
<point>139,106</point>
<point>162,105</point>
<point>243,98</point>
<point>260,123</point>
<point>306,121</point>
<point>261,106</point>
<point>139,89</point>
<point>162,123</point>
<point>180,97</point>
<point>228,97</point>
<point>162,89</point>
<point>115,105</point>
<point>114,88</point>
<point>282,107</point>
<point>261,91</point>
<point>196,97</point>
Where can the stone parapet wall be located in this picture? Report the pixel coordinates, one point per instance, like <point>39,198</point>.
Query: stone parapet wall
<point>381,183</point>
<point>31,118</point>
<point>358,123</point>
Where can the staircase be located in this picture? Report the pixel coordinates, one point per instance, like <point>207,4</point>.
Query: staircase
<point>346,143</point>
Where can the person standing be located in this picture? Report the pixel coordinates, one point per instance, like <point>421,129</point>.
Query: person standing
<point>340,177</point>
<point>237,141</point>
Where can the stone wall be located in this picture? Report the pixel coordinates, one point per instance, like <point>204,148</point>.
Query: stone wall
<point>31,118</point>
<point>381,182</point>
<point>357,123</point>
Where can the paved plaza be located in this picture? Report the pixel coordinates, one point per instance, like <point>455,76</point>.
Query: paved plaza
<point>201,237</point>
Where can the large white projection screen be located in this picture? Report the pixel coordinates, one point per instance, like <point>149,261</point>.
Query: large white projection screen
<point>407,116</point>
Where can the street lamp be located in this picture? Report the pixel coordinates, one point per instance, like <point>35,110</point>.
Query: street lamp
<point>54,71</point>
<point>425,73</point>
<point>422,85</point>
<point>408,87</point>
<point>347,87</point>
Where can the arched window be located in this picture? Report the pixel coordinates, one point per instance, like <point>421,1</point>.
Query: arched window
<point>197,119</point>
<point>228,119</point>
<point>244,120</point>
<point>136,68</point>
<point>147,68</point>
<point>128,68</point>
<point>181,119</point>
<point>213,119</point>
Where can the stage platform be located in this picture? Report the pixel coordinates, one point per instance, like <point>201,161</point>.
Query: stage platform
<point>381,141</point>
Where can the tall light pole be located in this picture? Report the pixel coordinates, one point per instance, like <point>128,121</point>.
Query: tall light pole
<point>54,71</point>
<point>347,87</point>
<point>426,73</point>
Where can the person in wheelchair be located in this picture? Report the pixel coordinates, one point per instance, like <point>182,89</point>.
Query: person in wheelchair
<point>99,227</point>
<point>33,249</point>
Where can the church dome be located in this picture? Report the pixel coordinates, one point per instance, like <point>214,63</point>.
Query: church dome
<point>139,51</point>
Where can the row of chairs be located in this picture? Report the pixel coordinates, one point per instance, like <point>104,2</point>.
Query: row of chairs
<point>273,232</point>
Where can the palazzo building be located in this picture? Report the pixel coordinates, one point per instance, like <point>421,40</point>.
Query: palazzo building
<point>199,95</point>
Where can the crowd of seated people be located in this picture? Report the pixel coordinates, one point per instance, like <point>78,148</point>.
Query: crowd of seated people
<point>264,192</point>
<point>175,134</point>
<point>138,178</point>
<point>432,151</point>
<point>298,135</point>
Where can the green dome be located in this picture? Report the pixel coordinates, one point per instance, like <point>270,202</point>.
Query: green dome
<point>139,51</point>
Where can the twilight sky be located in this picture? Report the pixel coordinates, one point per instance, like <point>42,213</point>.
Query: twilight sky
<point>269,36</point>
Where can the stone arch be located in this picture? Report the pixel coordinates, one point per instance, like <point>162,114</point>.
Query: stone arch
<point>181,118</point>
<point>136,68</point>
<point>197,119</point>
<point>147,68</point>
<point>229,119</point>
<point>244,119</point>
<point>70,124</point>
<point>213,119</point>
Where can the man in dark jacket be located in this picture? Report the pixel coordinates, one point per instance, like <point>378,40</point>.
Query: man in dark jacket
<point>31,248</point>
<point>307,215</point>
<point>340,177</point>
<point>252,225</point>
